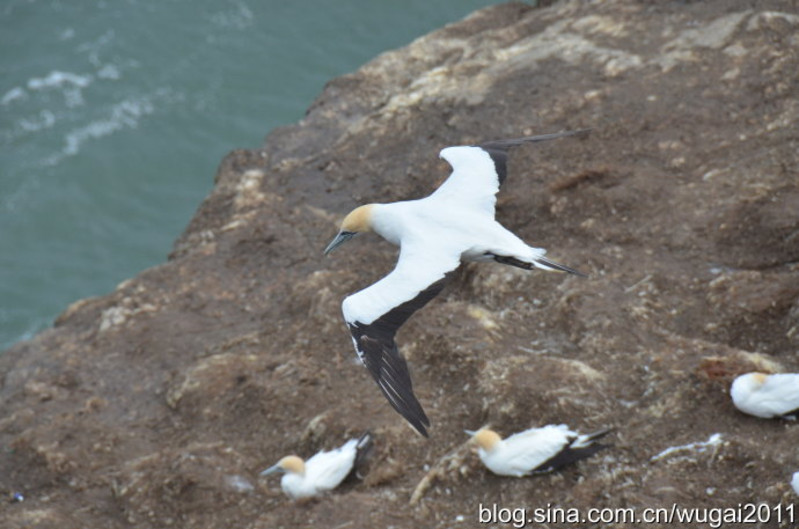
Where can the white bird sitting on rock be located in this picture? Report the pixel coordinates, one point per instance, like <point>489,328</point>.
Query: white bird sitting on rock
<point>534,451</point>
<point>795,482</point>
<point>323,472</point>
<point>766,396</point>
<point>435,234</point>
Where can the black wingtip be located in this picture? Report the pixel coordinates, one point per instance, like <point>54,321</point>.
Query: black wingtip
<point>791,415</point>
<point>390,370</point>
<point>599,434</point>
<point>411,411</point>
<point>421,429</point>
<point>365,442</point>
<point>395,383</point>
<point>513,142</point>
<point>362,449</point>
<point>570,454</point>
<point>588,451</point>
<point>498,149</point>
<point>559,267</point>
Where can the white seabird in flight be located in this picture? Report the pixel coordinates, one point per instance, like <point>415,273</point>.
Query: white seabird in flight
<point>766,396</point>
<point>435,234</point>
<point>323,472</point>
<point>534,451</point>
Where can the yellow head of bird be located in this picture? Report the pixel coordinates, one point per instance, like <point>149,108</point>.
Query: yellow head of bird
<point>485,438</point>
<point>359,220</point>
<point>289,464</point>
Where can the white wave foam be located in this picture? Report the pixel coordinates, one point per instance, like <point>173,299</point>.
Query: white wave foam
<point>12,95</point>
<point>125,114</point>
<point>240,17</point>
<point>100,42</point>
<point>73,97</point>
<point>44,120</point>
<point>109,71</point>
<point>93,48</point>
<point>70,84</point>
<point>56,79</point>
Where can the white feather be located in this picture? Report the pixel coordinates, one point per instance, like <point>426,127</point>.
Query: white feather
<point>766,396</point>
<point>532,451</point>
<point>435,234</point>
<point>474,181</point>
<point>323,472</point>
<point>521,453</point>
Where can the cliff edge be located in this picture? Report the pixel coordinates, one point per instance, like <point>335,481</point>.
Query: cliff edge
<point>158,404</point>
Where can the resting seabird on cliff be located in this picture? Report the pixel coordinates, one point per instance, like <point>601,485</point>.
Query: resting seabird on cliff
<point>534,451</point>
<point>456,223</point>
<point>323,472</point>
<point>765,395</point>
<point>795,482</point>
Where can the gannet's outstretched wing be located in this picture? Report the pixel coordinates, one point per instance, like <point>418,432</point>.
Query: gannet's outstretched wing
<point>479,170</point>
<point>374,314</point>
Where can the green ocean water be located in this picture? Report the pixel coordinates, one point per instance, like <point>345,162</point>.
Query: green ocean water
<point>115,114</point>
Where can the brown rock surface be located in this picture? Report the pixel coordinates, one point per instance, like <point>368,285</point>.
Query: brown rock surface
<point>158,404</point>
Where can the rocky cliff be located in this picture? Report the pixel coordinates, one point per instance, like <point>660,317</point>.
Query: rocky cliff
<point>158,404</point>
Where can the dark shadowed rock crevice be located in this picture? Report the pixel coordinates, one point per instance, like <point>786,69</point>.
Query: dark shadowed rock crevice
<point>158,404</point>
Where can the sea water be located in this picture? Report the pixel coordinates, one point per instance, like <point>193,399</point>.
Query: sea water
<point>115,114</point>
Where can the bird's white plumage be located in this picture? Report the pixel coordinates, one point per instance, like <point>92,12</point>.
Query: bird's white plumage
<point>435,234</point>
<point>795,482</point>
<point>529,451</point>
<point>521,453</point>
<point>474,181</point>
<point>766,396</point>
<point>322,472</point>
<point>421,262</point>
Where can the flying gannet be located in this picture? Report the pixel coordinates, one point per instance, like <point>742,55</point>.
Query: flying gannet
<point>765,395</point>
<point>323,472</point>
<point>435,234</point>
<point>534,451</point>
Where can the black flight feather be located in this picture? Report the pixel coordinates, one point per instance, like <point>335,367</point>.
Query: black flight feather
<point>498,149</point>
<point>570,454</point>
<point>380,355</point>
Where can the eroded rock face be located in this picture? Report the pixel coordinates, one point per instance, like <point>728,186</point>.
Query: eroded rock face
<point>158,404</point>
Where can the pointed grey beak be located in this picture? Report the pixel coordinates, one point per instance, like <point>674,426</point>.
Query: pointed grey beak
<point>470,432</point>
<point>272,470</point>
<point>341,238</point>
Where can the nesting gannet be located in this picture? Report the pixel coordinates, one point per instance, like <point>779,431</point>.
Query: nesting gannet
<point>765,395</point>
<point>795,482</point>
<point>322,472</point>
<point>534,451</point>
<point>455,223</point>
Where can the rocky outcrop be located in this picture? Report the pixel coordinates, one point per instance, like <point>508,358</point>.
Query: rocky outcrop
<point>157,405</point>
